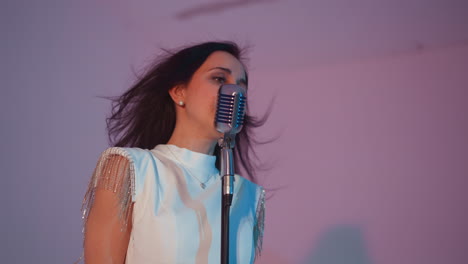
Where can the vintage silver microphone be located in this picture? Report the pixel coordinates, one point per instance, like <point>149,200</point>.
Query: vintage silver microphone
<point>229,121</point>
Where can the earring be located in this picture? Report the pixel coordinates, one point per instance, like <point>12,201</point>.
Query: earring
<point>181,103</point>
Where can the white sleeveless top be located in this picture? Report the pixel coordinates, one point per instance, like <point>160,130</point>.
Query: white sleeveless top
<point>176,214</point>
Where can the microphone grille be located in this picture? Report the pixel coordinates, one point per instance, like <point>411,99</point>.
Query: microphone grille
<point>231,109</point>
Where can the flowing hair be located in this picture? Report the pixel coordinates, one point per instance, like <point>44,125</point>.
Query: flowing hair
<point>144,116</point>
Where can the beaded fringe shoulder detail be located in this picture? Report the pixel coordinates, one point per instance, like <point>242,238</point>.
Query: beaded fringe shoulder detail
<point>114,171</point>
<point>259,224</point>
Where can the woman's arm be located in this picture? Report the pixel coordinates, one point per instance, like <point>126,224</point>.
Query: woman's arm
<point>105,241</point>
<point>109,212</point>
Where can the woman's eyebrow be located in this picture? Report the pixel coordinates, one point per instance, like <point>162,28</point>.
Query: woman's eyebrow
<point>221,68</point>
<point>239,81</point>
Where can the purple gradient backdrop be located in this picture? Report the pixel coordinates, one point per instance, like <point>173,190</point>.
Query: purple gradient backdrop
<point>371,105</point>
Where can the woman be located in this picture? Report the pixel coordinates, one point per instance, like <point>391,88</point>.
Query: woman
<point>155,197</point>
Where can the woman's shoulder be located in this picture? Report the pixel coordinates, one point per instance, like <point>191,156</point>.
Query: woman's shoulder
<point>138,163</point>
<point>248,183</point>
<point>123,151</point>
<point>139,159</point>
<point>250,190</point>
<point>133,154</point>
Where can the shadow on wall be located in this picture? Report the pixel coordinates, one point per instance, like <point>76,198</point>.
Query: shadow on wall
<point>339,245</point>
<point>216,7</point>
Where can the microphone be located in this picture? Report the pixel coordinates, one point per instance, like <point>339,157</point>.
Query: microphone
<point>231,109</point>
<point>229,120</point>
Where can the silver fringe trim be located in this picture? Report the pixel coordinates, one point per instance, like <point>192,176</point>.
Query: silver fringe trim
<point>259,225</point>
<point>114,171</point>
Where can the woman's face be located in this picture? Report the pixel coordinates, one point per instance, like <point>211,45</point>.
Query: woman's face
<point>202,91</point>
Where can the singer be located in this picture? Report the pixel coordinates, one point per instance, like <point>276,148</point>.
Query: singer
<point>155,196</point>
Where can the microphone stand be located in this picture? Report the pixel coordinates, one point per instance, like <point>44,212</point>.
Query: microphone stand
<point>229,119</point>
<point>227,173</point>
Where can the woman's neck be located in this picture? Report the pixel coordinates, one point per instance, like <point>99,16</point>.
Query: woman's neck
<point>192,141</point>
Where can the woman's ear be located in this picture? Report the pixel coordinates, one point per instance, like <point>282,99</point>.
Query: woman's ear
<point>177,94</point>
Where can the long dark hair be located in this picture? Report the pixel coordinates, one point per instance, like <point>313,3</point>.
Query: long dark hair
<point>144,116</point>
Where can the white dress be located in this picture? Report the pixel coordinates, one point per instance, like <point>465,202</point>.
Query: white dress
<point>176,196</point>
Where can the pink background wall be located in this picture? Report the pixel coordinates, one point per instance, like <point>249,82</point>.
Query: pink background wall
<point>371,106</point>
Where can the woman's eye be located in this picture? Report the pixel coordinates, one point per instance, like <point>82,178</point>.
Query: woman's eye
<point>220,79</point>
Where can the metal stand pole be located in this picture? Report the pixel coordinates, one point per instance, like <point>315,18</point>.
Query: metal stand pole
<point>227,174</point>
<point>225,228</point>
